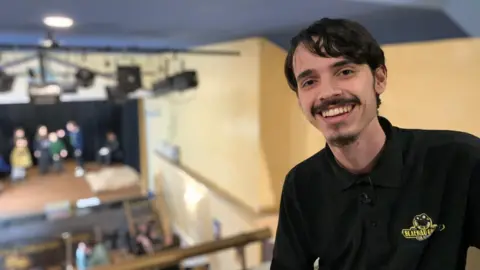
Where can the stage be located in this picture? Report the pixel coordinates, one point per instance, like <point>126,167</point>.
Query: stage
<point>31,196</point>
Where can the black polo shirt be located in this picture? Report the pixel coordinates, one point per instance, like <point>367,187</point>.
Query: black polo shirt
<point>417,209</point>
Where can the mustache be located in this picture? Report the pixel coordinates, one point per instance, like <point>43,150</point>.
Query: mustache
<point>318,108</point>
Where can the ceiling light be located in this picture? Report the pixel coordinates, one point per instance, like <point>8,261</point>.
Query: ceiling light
<point>58,21</point>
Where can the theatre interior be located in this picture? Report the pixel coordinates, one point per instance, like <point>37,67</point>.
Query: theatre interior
<point>163,130</point>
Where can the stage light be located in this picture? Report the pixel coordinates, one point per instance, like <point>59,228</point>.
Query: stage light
<point>6,81</point>
<point>85,77</point>
<point>58,21</point>
<point>116,95</point>
<point>182,81</point>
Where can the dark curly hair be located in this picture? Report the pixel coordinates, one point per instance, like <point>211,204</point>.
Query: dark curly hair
<point>336,38</point>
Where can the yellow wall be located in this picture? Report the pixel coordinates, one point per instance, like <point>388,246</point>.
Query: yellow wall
<point>434,85</point>
<point>283,128</point>
<point>217,125</point>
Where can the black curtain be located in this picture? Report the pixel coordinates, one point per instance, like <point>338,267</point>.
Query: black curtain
<point>95,119</point>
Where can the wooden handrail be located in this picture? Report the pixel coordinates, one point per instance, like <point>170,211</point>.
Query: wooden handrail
<point>218,190</point>
<point>174,256</point>
<point>127,209</point>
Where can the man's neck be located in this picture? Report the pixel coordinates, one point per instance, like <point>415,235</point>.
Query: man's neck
<point>360,156</point>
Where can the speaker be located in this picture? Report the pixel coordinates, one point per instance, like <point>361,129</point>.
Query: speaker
<point>6,82</point>
<point>129,78</point>
<point>85,77</point>
<point>185,80</point>
<point>115,95</point>
<point>163,86</point>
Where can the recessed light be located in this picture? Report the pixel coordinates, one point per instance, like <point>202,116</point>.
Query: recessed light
<point>58,21</point>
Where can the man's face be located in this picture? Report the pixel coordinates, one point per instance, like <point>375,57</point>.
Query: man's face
<point>42,131</point>
<point>337,96</point>
<point>70,127</point>
<point>111,136</point>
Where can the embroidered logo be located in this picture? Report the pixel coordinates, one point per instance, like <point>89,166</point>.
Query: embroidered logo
<point>422,228</point>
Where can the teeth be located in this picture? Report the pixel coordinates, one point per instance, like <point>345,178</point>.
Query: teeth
<point>337,111</point>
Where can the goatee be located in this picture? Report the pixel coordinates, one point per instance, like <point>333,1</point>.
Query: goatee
<point>343,140</point>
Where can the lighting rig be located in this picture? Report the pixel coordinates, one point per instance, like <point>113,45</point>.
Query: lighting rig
<point>128,78</point>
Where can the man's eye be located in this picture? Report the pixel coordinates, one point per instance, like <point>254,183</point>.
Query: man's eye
<point>308,83</point>
<point>346,72</point>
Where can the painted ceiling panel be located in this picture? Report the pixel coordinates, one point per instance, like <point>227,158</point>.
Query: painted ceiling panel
<point>396,25</point>
<point>183,23</point>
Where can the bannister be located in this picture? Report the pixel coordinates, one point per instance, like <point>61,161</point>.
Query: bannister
<point>172,257</point>
<point>67,239</point>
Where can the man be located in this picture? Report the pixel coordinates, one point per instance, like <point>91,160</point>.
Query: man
<point>111,150</point>
<point>58,151</point>
<point>377,196</point>
<point>98,254</point>
<point>42,149</point>
<point>76,141</point>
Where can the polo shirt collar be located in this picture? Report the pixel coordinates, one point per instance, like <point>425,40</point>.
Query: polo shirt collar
<point>388,170</point>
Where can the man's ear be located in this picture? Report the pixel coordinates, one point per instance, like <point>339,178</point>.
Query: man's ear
<point>380,76</point>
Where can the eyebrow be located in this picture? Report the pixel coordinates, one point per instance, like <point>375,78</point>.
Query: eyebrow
<point>309,72</point>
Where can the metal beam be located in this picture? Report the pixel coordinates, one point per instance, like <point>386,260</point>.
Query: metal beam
<point>107,49</point>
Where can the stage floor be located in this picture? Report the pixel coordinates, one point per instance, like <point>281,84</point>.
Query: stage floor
<point>31,196</point>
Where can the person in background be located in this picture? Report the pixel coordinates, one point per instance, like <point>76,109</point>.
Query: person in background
<point>20,159</point>
<point>76,140</point>
<point>17,261</point>
<point>111,150</point>
<point>19,133</point>
<point>57,152</point>
<point>99,254</point>
<point>42,149</point>
<point>81,256</point>
<point>143,241</point>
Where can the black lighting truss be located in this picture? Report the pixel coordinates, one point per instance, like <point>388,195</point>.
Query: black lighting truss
<point>42,54</point>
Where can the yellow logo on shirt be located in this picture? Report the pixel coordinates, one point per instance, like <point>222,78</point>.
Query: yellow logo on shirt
<point>422,228</point>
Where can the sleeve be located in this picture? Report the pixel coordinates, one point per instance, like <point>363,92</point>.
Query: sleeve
<point>80,140</point>
<point>36,145</point>
<point>13,155</point>
<point>291,251</point>
<point>473,223</point>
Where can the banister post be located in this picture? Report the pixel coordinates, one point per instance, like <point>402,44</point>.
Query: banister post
<point>67,240</point>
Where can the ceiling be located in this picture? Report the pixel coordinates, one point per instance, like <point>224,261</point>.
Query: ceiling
<point>185,23</point>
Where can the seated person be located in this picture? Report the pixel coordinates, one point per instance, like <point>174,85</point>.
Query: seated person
<point>98,254</point>
<point>17,261</point>
<point>81,256</point>
<point>110,151</point>
<point>143,242</point>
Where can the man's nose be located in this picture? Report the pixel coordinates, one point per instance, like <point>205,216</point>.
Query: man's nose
<point>327,91</point>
